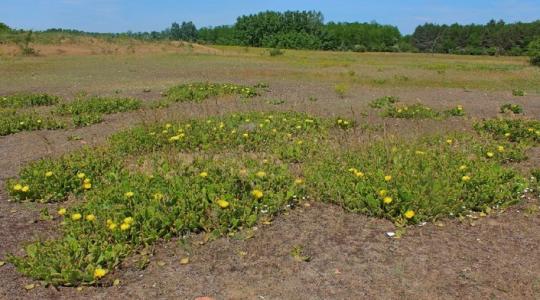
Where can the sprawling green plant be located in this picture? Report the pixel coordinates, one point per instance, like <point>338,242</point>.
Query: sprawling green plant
<point>383,102</point>
<point>413,182</point>
<point>414,111</point>
<point>27,100</point>
<point>513,108</point>
<point>515,130</point>
<point>199,91</point>
<point>12,121</point>
<point>98,105</point>
<point>220,174</point>
<point>132,210</point>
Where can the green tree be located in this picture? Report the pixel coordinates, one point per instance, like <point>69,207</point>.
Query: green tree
<point>534,52</point>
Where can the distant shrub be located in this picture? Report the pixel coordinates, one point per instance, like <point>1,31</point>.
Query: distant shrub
<point>276,52</point>
<point>534,52</point>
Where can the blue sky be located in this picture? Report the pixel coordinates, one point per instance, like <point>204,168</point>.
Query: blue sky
<point>148,15</point>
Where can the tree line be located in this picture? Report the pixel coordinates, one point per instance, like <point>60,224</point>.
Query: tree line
<point>307,30</point>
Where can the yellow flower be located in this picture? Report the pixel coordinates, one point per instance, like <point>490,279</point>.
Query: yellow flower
<point>449,141</point>
<point>111,225</point>
<point>358,174</point>
<point>420,152</point>
<point>245,135</point>
<point>339,121</point>
<point>222,203</point>
<point>87,186</point>
<point>62,211</point>
<point>507,134</point>
<point>87,180</point>
<point>465,178</point>
<point>299,181</point>
<point>203,174</point>
<point>382,193</point>
<point>49,174</point>
<point>462,167</point>
<point>352,170</point>
<point>174,138</point>
<point>387,178</point>
<point>168,125</point>
<point>387,200</point>
<point>459,107</point>
<point>99,272</point>
<point>124,226</point>
<point>81,175</point>
<point>409,214</point>
<point>158,196</point>
<point>129,194</point>
<point>261,174</point>
<point>128,220</point>
<point>25,189</point>
<point>490,154</point>
<point>76,217</point>
<point>500,148</point>
<point>90,218</point>
<point>17,187</point>
<point>257,194</point>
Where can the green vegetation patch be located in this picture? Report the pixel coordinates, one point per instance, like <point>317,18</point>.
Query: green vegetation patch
<point>512,108</point>
<point>134,210</point>
<point>27,100</point>
<point>421,111</point>
<point>414,182</point>
<point>382,102</point>
<point>98,105</point>
<point>515,130</point>
<point>199,91</point>
<point>12,122</point>
<point>221,174</point>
